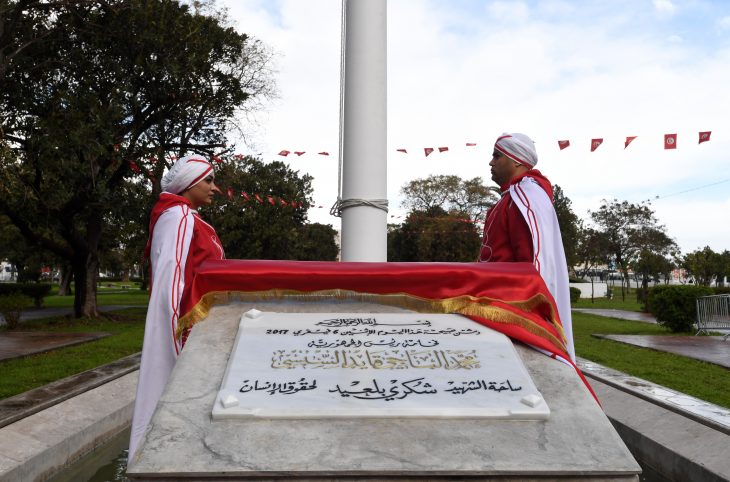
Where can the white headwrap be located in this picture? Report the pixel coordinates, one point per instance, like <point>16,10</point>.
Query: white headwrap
<point>186,173</point>
<point>517,147</point>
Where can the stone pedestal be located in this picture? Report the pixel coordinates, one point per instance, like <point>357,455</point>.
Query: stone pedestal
<point>576,442</point>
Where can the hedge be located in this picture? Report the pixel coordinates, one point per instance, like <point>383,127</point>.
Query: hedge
<point>574,294</point>
<point>36,291</point>
<point>675,306</point>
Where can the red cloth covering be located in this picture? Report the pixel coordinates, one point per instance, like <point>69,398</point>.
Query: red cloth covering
<point>508,297</point>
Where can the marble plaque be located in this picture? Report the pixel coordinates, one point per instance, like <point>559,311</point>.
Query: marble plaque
<point>325,365</point>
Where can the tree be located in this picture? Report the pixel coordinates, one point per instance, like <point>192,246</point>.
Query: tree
<point>570,226</point>
<point>703,265</point>
<point>96,95</point>
<point>433,235</point>
<point>272,226</point>
<point>722,268</point>
<point>450,193</point>
<point>630,229</point>
<point>315,242</point>
<point>649,266</point>
<point>592,251</point>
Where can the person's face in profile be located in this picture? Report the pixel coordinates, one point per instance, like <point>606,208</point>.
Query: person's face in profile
<point>202,193</point>
<point>503,168</point>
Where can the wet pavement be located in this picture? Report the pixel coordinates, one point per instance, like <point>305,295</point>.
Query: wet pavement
<point>621,314</point>
<point>711,349</point>
<point>37,313</point>
<point>14,344</point>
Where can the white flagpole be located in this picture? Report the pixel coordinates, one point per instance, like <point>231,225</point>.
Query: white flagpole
<point>364,163</point>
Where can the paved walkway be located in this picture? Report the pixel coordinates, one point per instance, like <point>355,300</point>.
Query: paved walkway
<point>14,344</point>
<point>36,313</point>
<point>711,349</point>
<point>624,315</point>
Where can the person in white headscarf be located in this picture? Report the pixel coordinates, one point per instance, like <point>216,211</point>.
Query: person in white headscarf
<point>523,225</point>
<point>179,240</point>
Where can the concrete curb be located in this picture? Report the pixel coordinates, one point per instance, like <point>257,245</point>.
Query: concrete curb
<point>25,404</point>
<point>42,444</point>
<point>673,445</point>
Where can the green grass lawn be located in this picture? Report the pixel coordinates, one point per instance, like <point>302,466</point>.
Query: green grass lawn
<point>22,374</point>
<point>111,293</point>
<point>627,303</point>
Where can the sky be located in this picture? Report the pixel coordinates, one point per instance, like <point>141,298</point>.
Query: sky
<point>465,71</point>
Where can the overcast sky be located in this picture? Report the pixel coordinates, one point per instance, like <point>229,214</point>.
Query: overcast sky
<point>466,70</point>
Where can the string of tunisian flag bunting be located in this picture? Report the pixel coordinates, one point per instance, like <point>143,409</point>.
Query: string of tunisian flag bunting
<point>670,141</point>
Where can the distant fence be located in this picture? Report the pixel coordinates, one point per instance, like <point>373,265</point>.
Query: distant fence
<point>599,289</point>
<point>713,314</point>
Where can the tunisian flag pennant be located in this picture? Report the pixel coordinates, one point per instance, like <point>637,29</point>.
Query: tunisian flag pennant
<point>443,149</point>
<point>704,136</point>
<point>271,200</point>
<point>628,141</point>
<point>670,141</point>
<point>402,150</point>
<point>471,144</point>
<point>284,153</point>
<point>245,195</point>
<point>324,153</point>
<point>427,150</point>
<point>595,143</point>
<point>563,144</point>
<point>299,153</point>
<point>258,198</point>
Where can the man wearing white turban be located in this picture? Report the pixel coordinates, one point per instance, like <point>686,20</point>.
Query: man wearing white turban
<point>179,241</point>
<point>523,225</point>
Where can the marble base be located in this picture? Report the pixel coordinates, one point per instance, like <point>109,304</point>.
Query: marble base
<point>184,443</point>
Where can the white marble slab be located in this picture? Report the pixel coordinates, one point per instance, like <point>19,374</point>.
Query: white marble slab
<point>335,365</point>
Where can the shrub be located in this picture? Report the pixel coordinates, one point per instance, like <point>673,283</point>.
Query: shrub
<point>36,291</point>
<point>12,305</point>
<point>721,290</point>
<point>574,294</point>
<point>675,307</point>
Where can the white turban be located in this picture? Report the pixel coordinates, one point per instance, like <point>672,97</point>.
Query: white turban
<point>517,147</point>
<point>186,173</point>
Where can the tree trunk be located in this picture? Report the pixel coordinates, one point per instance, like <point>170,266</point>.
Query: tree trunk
<point>86,272</point>
<point>64,281</point>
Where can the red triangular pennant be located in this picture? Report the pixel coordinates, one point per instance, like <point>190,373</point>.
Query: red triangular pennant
<point>284,153</point>
<point>629,139</point>
<point>670,141</point>
<point>402,150</point>
<point>704,136</point>
<point>471,144</point>
<point>563,144</point>
<point>427,150</point>
<point>443,149</point>
<point>595,143</point>
<point>299,153</point>
<point>324,153</point>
